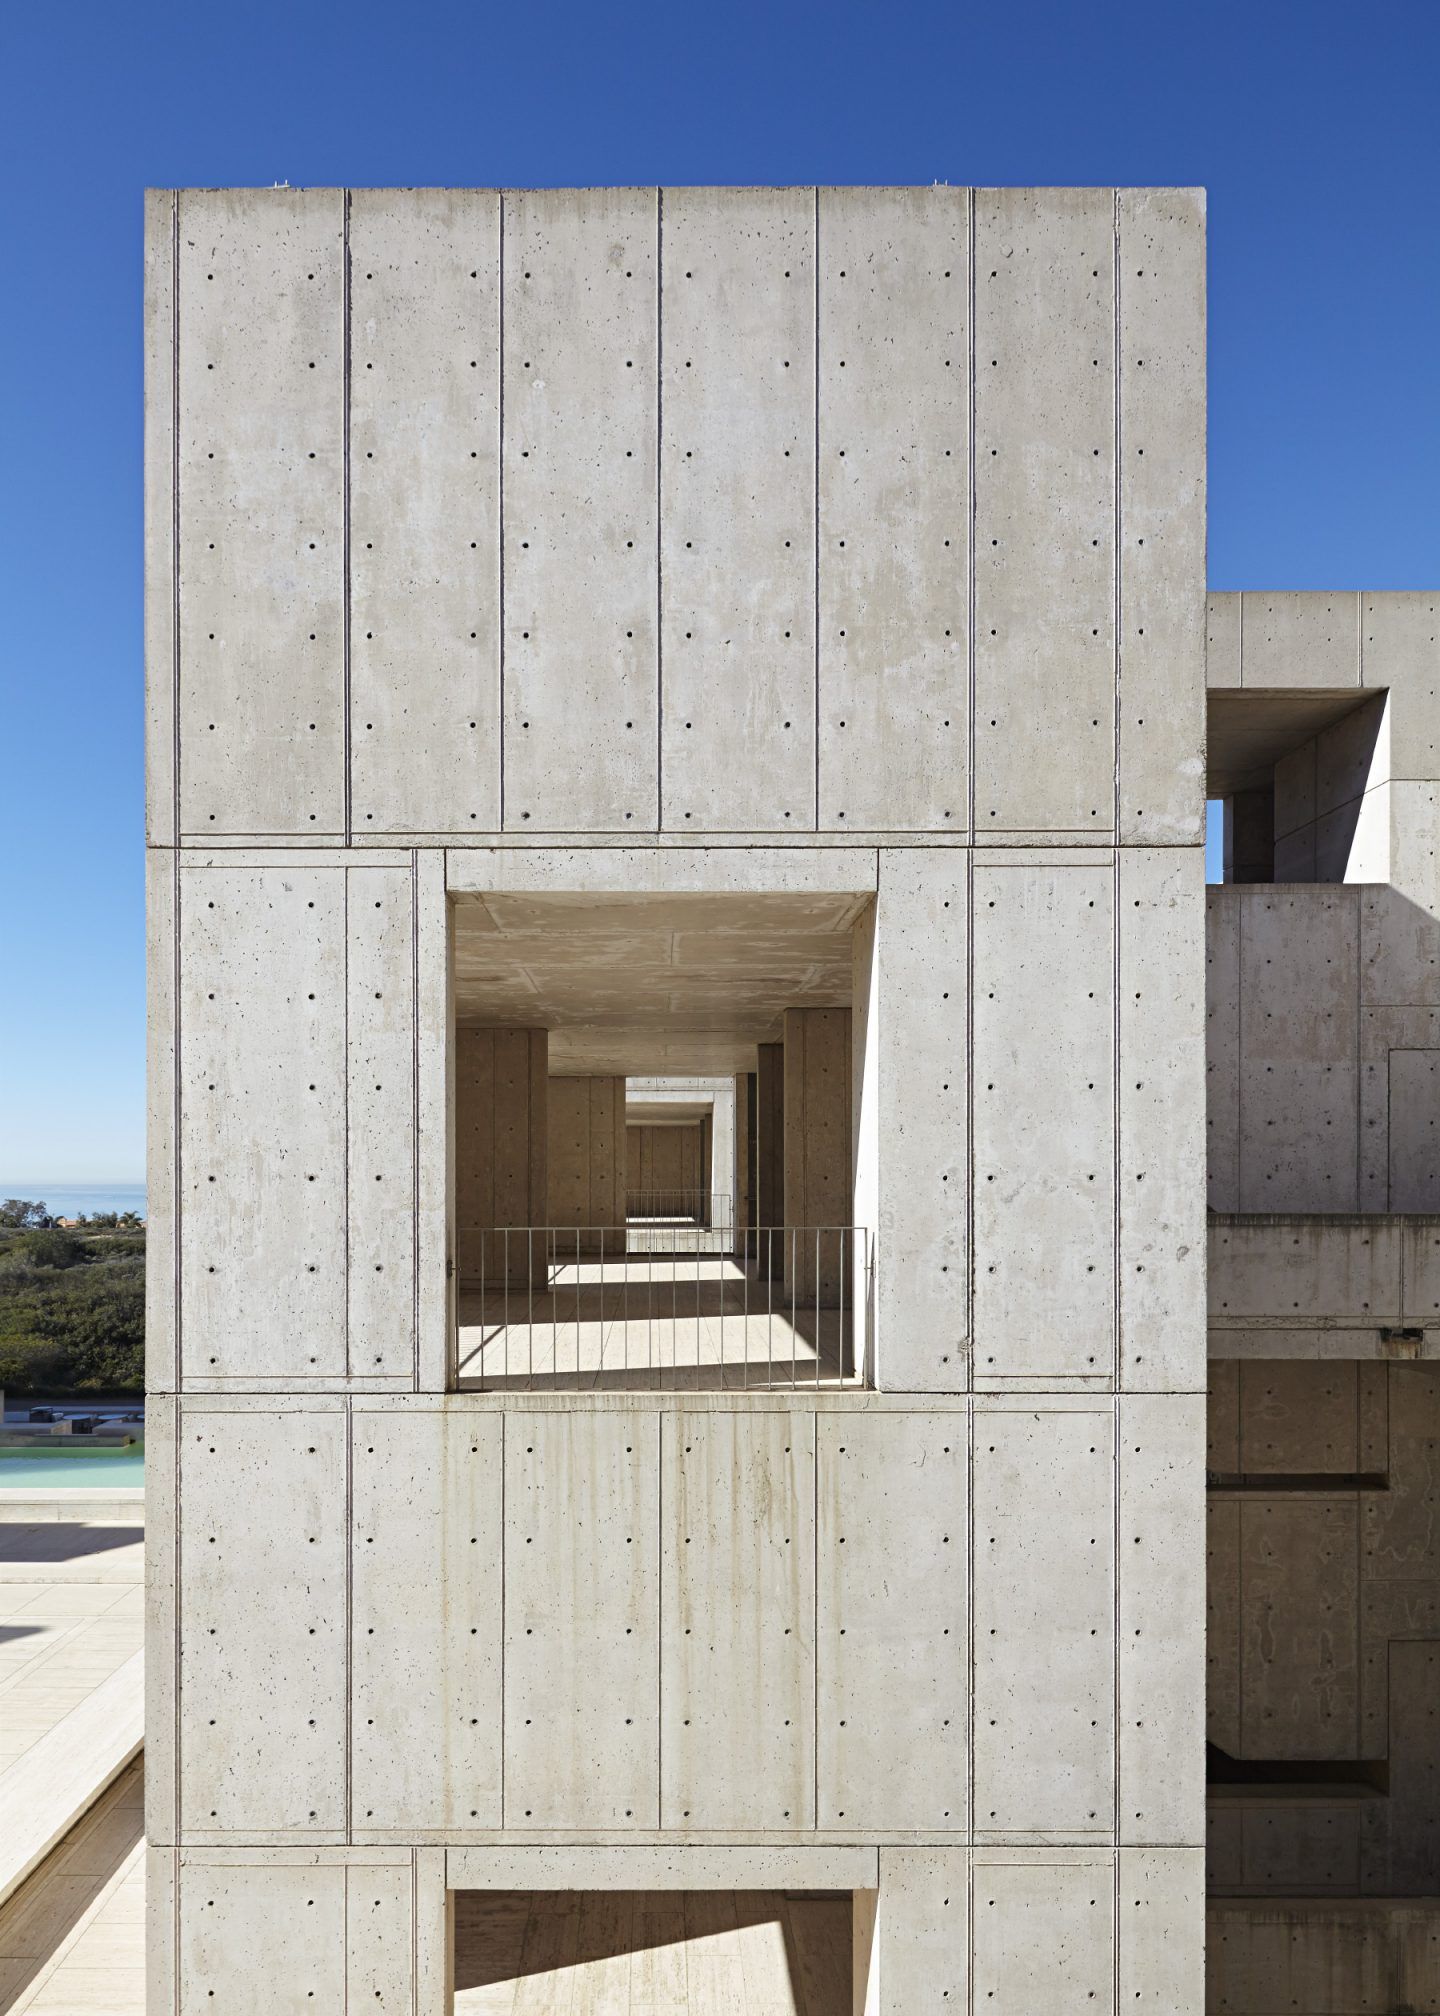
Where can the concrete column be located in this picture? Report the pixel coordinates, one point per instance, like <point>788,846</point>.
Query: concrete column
<point>587,1146</point>
<point>818,1164</point>
<point>721,1172</point>
<point>743,1205</point>
<point>769,1152</point>
<point>501,1151</point>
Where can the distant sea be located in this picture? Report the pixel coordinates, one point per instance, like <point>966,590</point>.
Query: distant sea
<point>75,1200</point>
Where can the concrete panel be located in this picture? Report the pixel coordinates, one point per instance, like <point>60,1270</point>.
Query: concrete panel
<point>1222,1418</point>
<point>581,368</point>
<point>662,1866</point>
<point>435,1186</point>
<point>426,1599</point>
<point>582,1621</point>
<point>160,527</point>
<point>892,1622</point>
<point>922,1937</point>
<point>1299,966</point>
<point>380,1117</point>
<point>1414,1130</point>
<point>701,870</point>
<point>818,1150</point>
<point>1422,1272</point>
<point>1294,1849</point>
<point>1161,1619</point>
<point>1222,1051</point>
<point>1161,265</point>
<point>1044,1127</point>
<point>894,487</point>
<point>1301,640</point>
<point>1399,950</point>
<point>737,1648</point>
<point>1222,640</point>
<point>1044,1934</point>
<point>424,510</point>
<point>278,1936</point>
<point>586,1168</point>
<point>1299,1569</point>
<point>1400,649</point>
<point>501,1147</point>
<point>1044,1629</point>
<point>262,511</point>
<point>261,1939</point>
<point>162,1232</point>
<point>919,1007</point>
<point>737,501</point>
<point>1045,509</point>
<point>1274,1956</point>
<point>1160,1931</point>
<point>1295,800</point>
<point>1298,1418</point>
<point>1400,1529</point>
<point>1351,756</point>
<point>263,1668</point>
<point>1413,1863</point>
<point>262,1122</point>
<point>380,1937</point>
<point>1222,1625</point>
<point>1162,1107</point>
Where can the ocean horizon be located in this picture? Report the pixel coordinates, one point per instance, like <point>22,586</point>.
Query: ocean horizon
<point>78,1200</point>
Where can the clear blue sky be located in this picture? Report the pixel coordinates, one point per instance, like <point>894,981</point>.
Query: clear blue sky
<point>1315,127</point>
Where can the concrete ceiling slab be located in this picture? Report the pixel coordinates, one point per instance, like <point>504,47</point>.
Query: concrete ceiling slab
<point>1248,730</point>
<point>651,984</point>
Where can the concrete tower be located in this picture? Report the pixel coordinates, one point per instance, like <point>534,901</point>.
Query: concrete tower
<point>753,638</point>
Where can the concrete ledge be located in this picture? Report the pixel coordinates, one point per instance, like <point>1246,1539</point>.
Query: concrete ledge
<point>59,1778</point>
<point>120,1506</point>
<point>1310,1285</point>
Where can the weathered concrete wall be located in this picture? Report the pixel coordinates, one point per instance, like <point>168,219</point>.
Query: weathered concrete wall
<point>1314,1287</point>
<point>1323,1042</point>
<point>501,1143</point>
<point>668,1159</point>
<point>586,1154</point>
<point>805,556</point>
<point>1324,1646</point>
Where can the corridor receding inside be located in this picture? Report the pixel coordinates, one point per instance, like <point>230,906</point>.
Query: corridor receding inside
<point>655,1119</point>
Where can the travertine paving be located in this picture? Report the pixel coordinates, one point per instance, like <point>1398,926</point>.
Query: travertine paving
<point>651,1953</point>
<point>71,1614</point>
<point>72,1938</point>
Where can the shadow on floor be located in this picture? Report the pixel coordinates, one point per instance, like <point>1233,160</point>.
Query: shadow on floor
<point>71,1542</point>
<point>693,1952</point>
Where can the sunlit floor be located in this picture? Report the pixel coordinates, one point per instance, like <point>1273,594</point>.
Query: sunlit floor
<point>71,1614</point>
<point>663,1321</point>
<point>72,1938</point>
<point>652,1953</point>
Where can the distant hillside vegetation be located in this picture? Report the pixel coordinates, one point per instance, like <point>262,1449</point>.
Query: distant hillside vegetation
<point>72,1304</point>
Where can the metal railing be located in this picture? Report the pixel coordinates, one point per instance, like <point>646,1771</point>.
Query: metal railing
<point>573,1308</point>
<point>699,1207</point>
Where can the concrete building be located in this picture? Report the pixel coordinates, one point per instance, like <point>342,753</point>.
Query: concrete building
<point>731,666</point>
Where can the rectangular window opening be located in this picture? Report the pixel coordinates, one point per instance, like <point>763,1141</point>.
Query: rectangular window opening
<point>655,1127</point>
